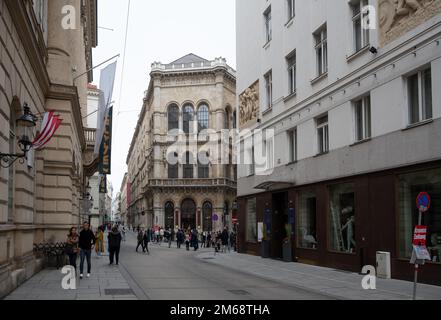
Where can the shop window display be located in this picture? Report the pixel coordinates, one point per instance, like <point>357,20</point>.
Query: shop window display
<point>306,221</point>
<point>410,186</point>
<point>342,220</point>
<point>251,234</point>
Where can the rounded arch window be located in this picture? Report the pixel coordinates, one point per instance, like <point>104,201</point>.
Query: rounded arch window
<point>169,215</point>
<point>203,117</point>
<point>227,118</point>
<point>188,118</point>
<point>207,215</point>
<point>173,117</point>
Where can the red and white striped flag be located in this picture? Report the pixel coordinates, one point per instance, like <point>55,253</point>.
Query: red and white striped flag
<point>49,126</point>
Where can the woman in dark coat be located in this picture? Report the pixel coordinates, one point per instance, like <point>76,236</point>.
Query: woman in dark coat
<point>114,239</point>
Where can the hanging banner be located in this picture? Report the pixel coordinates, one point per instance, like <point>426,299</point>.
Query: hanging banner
<point>103,184</point>
<point>106,146</point>
<point>107,80</point>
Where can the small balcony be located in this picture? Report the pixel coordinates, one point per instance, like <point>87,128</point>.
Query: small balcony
<point>90,135</point>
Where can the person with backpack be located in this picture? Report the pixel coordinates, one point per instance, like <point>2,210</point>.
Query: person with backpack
<point>114,239</point>
<point>140,239</point>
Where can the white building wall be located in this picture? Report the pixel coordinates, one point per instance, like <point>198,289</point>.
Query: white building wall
<point>334,94</point>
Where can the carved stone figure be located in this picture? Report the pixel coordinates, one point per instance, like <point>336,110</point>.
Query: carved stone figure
<point>249,105</point>
<point>397,17</point>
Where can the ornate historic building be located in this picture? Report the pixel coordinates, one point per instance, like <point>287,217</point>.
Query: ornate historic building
<point>172,186</point>
<point>40,61</point>
<point>351,90</point>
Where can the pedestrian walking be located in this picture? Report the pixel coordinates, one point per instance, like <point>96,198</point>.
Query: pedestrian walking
<point>86,242</point>
<point>99,242</point>
<point>179,239</point>
<point>71,248</point>
<point>209,240</point>
<point>161,234</point>
<point>187,241</point>
<point>123,233</point>
<point>225,238</point>
<point>146,240</point>
<point>169,237</point>
<point>140,239</point>
<point>157,235</point>
<point>114,239</point>
<point>195,240</point>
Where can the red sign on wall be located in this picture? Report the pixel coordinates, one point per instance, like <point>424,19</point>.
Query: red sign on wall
<point>419,236</point>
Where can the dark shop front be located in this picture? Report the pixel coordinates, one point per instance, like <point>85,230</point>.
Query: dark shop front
<point>343,223</point>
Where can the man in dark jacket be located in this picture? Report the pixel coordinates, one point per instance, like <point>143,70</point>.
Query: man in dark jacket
<point>179,238</point>
<point>224,238</point>
<point>147,237</point>
<point>114,239</point>
<point>86,243</point>
<point>140,239</point>
<point>195,240</point>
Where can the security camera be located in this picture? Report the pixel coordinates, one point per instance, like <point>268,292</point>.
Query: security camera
<point>373,50</point>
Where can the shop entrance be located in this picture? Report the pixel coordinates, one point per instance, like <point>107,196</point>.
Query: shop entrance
<point>188,214</point>
<point>279,220</point>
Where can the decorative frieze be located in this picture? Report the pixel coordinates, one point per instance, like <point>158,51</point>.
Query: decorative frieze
<point>398,17</point>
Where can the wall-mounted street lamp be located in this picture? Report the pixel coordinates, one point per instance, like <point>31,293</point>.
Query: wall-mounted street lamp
<point>24,129</point>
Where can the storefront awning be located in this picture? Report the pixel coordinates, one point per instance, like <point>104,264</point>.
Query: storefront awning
<point>274,185</point>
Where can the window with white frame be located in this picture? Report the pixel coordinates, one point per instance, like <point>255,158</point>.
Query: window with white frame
<point>292,72</point>
<point>321,50</point>
<point>269,153</point>
<point>362,113</point>
<point>419,90</point>
<point>360,15</point>
<point>323,134</point>
<point>292,138</point>
<point>291,9</point>
<point>268,26</point>
<point>41,13</point>
<point>269,90</point>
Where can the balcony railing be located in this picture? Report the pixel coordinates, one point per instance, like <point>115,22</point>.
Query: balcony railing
<point>90,135</point>
<point>192,183</point>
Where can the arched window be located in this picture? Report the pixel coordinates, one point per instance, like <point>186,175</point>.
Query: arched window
<point>173,117</point>
<point>207,216</point>
<point>188,166</point>
<point>227,119</point>
<point>188,214</point>
<point>234,120</point>
<point>203,117</point>
<point>169,215</point>
<point>203,166</point>
<point>188,118</point>
<point>173,167</point>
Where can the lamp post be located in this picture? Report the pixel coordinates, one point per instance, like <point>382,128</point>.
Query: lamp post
<point>25,124</point>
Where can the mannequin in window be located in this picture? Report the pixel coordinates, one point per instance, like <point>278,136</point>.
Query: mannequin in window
<point>307,239</point>
<point>349,227</point>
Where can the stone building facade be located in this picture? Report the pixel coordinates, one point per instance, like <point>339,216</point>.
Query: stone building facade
<point>39,61</point>
<point>184,97</point>
<point>351,90</point>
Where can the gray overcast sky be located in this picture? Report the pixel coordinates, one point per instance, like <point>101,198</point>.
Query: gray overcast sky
<point>159,30</point>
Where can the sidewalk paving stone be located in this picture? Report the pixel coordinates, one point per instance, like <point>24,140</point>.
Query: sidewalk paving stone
<point>336,283</point>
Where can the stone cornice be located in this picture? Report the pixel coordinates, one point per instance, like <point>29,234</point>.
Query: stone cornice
<point>70,93</point>
<point>33,42</point>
